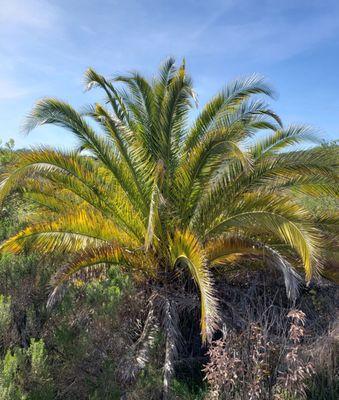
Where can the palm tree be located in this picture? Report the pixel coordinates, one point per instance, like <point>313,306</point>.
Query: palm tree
<point>167,199</point>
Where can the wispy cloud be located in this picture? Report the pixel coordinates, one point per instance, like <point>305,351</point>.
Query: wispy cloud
<point>10,90</point>
<point>33,14</point>
<point>269,37</point>
<point>25,27</point>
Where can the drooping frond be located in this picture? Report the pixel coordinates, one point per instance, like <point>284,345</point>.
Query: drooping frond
<point>101,256</point>
<point>291,278</point>
<point>170,320</point>
<point>186,251</point>
<point>45,160</point>
<point>79,175</point>
<point>304,241</point>
<point>285,174</point>
<point>138,355</point>
<point>226,249</point>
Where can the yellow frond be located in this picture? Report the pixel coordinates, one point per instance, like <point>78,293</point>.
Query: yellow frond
<point>185,249</point>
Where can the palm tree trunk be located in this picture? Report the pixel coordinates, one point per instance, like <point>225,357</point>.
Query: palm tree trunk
<point>168,367</point>
<point>171,329</point>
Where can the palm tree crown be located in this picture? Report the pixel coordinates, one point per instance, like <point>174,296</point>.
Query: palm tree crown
<point>164,198</point>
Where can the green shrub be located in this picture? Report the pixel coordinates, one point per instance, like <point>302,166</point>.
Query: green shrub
<point>24,374</point>
<point>10,378</point>
<point>181,390</point>
<point>5,314</point>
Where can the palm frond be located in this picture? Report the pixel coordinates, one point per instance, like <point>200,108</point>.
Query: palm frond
<point>282,138</point>
<point>228,248</point>
<point>230,97</point>
<point>101,256</point>
<point>170,319</point>
<point>72,232</point>
<point>305,240</point>
<point>138,356</point>
<point>93,79</point>
<point>186,251</point>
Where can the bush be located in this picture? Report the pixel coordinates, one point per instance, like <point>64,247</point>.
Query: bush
<point>5,315</point>
<point>24,374</point>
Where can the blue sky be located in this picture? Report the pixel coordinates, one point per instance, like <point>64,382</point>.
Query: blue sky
<point>45,46</point>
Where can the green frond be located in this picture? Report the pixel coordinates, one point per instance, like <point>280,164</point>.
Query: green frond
<point>248,117</point>
<point>93,79</point>
<point>201,167</point>
<point>235,93</point>
<point>286,174</point>
<point>117,131</point>
<point>174,113</point>
<point>60,113</point>
<point>162,81</point>
<point>283,138</point>
<point>141,102</point>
